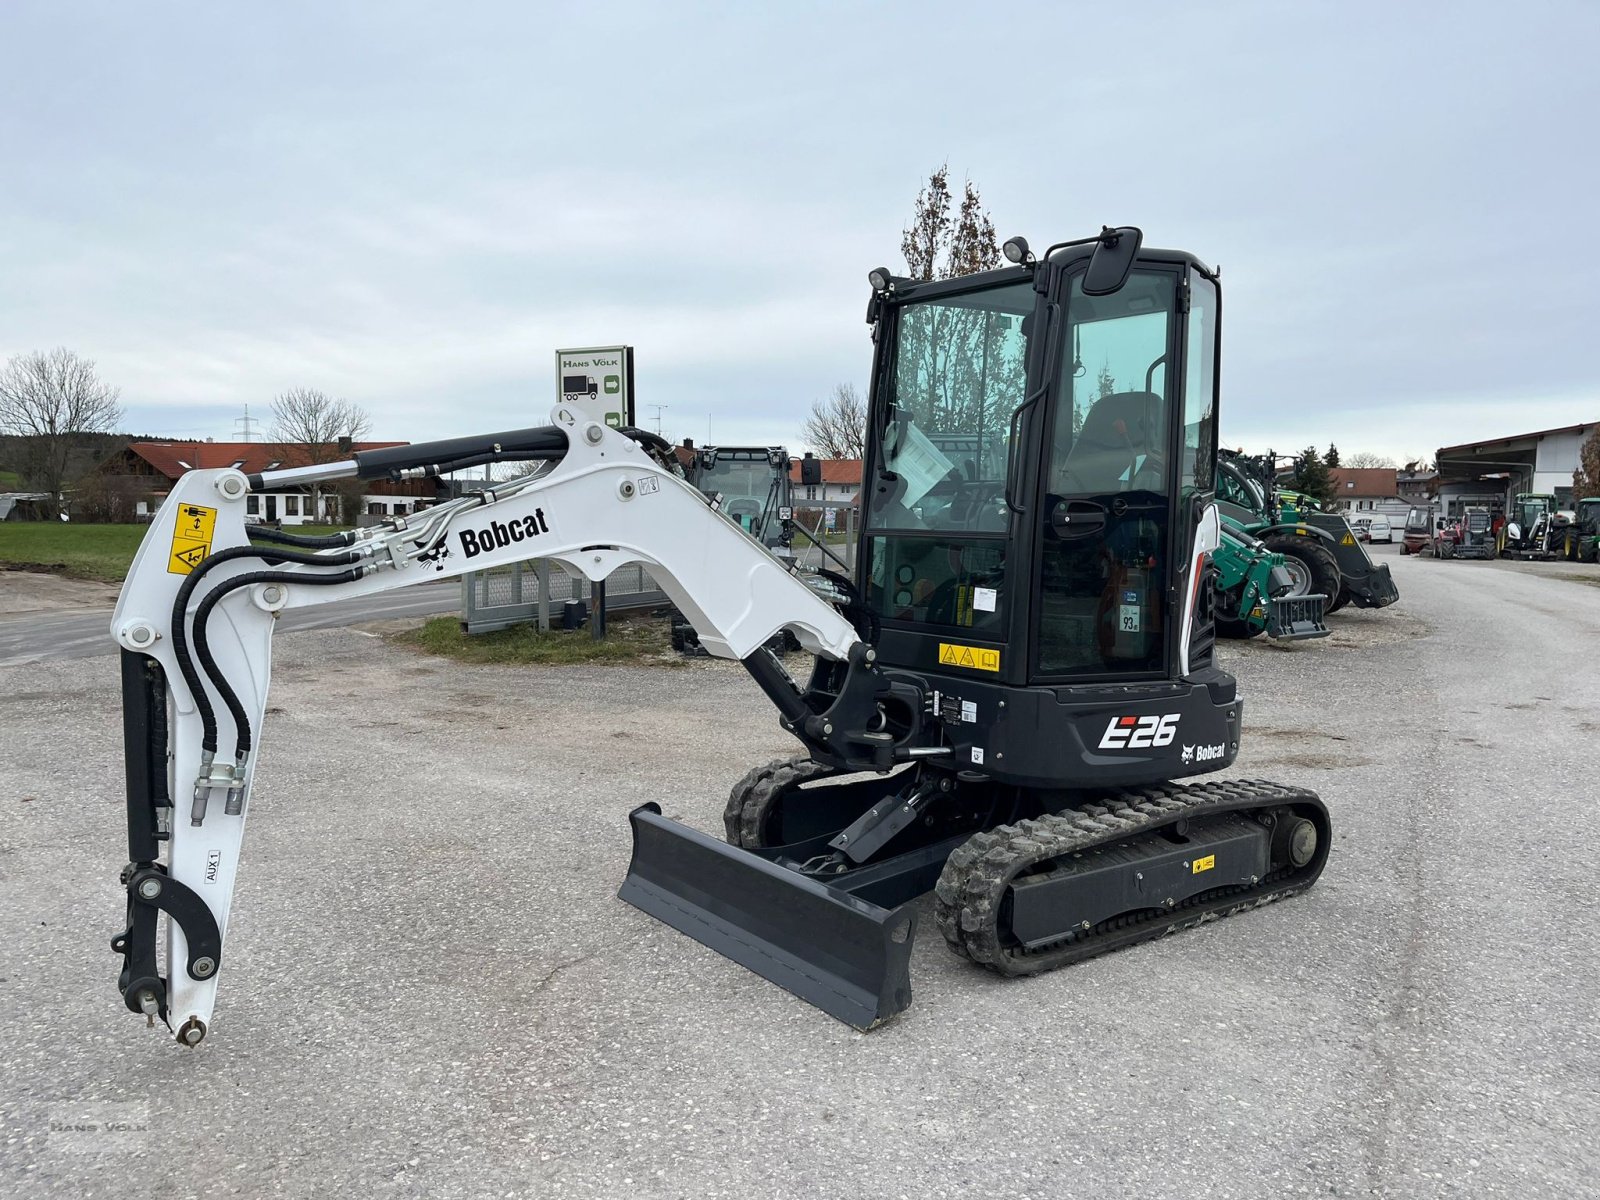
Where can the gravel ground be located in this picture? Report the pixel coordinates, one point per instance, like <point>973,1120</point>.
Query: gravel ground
<point>432,991</point>
<point>37,592</point>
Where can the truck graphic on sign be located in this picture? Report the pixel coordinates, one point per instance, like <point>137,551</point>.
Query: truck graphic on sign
<point>573,386</point>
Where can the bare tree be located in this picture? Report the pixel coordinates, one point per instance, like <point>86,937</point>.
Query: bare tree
<point>313,422</point>
<point>1366,460</point>
<point>1586,479</point>
<point>937,246</point>
<point>837,426</point>
<point>50,401</point>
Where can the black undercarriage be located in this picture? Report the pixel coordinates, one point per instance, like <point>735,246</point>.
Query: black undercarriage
<point>818,888</point>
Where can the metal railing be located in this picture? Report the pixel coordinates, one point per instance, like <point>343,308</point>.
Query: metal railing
<point>531,591</point>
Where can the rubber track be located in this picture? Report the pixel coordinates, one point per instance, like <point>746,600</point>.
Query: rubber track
<point>976,877</point>
<point>755,797</point>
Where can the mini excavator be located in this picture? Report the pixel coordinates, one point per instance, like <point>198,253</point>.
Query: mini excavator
<point>1001,705</point>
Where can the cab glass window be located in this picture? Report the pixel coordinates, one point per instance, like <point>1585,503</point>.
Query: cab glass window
<point>1199,388</point>
<point>959,372</point>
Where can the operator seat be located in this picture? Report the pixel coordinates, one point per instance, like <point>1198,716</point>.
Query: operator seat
<point>1119,449</point>
<point>744,512</point>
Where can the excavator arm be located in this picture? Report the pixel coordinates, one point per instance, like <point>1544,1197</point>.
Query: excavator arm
<point>197,613</point>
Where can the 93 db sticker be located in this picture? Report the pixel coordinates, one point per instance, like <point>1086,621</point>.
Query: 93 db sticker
<point>1140,733</point>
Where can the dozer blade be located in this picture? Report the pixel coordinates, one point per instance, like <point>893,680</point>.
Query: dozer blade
<point>850,958</point>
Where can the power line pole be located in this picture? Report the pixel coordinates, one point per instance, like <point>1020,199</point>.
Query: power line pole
<point>246,426</point>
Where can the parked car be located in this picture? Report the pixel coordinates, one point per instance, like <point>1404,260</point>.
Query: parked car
<point>1373,528</point>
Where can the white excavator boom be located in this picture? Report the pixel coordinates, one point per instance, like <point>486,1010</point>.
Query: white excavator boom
<point>196,616</point>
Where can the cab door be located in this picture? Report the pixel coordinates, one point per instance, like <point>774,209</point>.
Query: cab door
<point>1114,472</point>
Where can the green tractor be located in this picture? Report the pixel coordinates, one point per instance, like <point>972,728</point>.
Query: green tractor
<point>1586,543</point>
<point>1537,527</point>
<point>1319,549</point>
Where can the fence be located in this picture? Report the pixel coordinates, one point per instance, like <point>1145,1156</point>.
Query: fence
<point>841,540</point>
<point>530,591</point>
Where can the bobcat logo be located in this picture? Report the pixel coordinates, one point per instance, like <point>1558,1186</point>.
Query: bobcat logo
<point>436,556</point>
<point>1188,754</point>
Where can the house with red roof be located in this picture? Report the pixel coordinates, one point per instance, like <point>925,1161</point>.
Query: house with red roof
<point>153,467</point>
<point>841,481</point>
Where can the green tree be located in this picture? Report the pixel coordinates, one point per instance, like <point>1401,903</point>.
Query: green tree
<point>1331,458</point>
<point>1311,476</point>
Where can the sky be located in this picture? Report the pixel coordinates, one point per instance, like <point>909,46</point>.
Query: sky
<point>412,206</point>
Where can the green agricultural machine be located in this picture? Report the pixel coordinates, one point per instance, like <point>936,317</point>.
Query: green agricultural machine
<point>1586,545</point>
<point>1256,592</point>
<point>1319,549</point>
<point>1537,527</point>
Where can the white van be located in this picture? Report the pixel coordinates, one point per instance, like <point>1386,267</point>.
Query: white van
<point>1374,527</point>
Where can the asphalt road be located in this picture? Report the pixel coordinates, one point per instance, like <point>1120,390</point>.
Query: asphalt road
<point>81,633</point>
<point>431,989</point>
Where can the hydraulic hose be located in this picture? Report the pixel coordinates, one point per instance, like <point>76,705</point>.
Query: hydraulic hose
<point>180,606</point>
<point>326,541</point>
<point>202,644</point>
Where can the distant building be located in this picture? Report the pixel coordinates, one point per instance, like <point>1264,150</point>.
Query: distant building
<point>1417,483</point>
<point>1362,489</point>
<point>154,467</point>
<point>23,506</point>
<point>841,482</point>
<point>1489,473</point>
<point>1371,490</point>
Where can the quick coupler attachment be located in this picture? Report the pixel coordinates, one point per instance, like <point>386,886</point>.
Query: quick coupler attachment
<point>152,891</point>
<point>1292,618</point>
<point>847,956</point>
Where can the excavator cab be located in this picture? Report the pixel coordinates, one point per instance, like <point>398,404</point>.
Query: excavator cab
<point>1031,471</point>
<point>1033,567</point>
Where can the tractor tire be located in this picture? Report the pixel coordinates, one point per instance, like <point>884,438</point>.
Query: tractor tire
<point>1237,630</point>
<point>1338,602</point>
<point>1313,567</point>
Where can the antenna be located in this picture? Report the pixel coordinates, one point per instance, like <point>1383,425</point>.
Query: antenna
<point>246,426</point>
<point>660,408</point>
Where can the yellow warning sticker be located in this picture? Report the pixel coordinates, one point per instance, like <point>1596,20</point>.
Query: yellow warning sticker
<point>191,537</point>
<point>1348,540</point>
<point>1204,864</point>
<point>976,658</point>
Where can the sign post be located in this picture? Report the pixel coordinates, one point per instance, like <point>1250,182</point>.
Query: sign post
<point>598,382</point>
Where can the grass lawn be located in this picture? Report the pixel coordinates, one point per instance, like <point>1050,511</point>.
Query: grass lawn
<point>10,481</point>
<point>101,552</point>
<point>639,640</point>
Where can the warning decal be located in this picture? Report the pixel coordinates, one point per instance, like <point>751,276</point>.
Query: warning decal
<point>1204,864</point>
<point>976,658</point>
<point>191,537</point>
